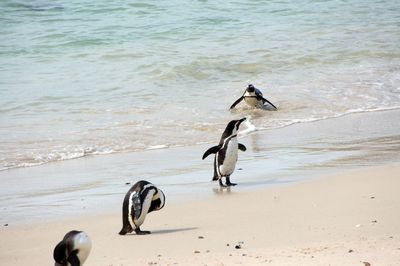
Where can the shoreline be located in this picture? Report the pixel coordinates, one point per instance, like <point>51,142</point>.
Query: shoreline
<point>244,133</point>
<point>273,158</point>
<point>336,219</point>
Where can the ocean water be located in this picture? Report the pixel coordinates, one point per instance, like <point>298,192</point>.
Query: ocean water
<point>79,78</point>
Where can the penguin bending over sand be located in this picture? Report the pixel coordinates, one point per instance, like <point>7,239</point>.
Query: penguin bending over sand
<point>73,249</point>
<point>141,199</point>
<point>254,98</point>
<point>226,153</point>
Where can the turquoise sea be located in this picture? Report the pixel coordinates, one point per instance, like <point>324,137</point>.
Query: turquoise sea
<point>79,78</point>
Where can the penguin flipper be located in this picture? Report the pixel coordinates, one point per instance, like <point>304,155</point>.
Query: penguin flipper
<point>214,149</point>
<point>266,101</point>
<point>73,259</point>
<point>236,102</point>
<point>242,147</point>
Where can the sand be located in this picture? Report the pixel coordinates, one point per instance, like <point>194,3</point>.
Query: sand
<point>346,219</point>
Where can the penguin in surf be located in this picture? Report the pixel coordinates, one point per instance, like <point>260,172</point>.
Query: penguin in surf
<point>141,199</point>
<point>226,153</point>
<point>73,249</point>
<point>254,98</point>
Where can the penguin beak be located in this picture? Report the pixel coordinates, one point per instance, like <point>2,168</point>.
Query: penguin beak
<point>241,120</point>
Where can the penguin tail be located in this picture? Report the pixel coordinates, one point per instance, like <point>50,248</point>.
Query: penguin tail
<point>215,178</point>
<point>125,229</point>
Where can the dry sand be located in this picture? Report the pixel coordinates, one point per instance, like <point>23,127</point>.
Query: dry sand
<point>339,220</point>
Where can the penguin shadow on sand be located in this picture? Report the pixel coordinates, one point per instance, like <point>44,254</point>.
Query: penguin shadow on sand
<point>174,230</point>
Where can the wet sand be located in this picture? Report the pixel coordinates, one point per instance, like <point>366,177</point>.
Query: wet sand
<point>273,158</point>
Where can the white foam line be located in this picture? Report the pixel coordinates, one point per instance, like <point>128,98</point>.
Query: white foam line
<point>157,147</point>
<point>250,128</point>
<point>310,120</point>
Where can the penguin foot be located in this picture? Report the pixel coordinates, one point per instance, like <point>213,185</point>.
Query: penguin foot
<point>140,232</point>
<point>220,183</point>
<point>125,230</point>
<point>228,182</point>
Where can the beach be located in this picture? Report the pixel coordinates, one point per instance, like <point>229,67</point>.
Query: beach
<point>95,97</point>
<point>336,220</point>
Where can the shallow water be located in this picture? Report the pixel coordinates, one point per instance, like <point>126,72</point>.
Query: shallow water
<point>82,77</point>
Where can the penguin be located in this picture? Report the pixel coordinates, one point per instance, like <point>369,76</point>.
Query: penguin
<point>226,153</point>
<point>141,199</point>
<point>254,98</point>
<point>73,250</point>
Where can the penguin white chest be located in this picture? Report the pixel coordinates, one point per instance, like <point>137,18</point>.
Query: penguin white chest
<point>253,102</point>
<point>231,156</point>
<point>84,245</point>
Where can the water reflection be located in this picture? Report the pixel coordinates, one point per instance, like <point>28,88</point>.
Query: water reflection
<point>222,191</point>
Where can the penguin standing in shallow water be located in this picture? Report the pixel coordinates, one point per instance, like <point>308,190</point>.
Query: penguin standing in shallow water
<point>226,153</point>
<point>254,98</point>
<point>73,249</point>
<point>141,199</point>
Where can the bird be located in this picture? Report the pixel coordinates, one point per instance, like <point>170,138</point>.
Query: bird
<point>73,250</point>
<point>142,198</point>
<point>226,153</point>
<point>254,98</point>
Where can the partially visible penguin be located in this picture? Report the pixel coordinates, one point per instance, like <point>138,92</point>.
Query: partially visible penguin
<point>141,199</point>
<point>254,98</point>
<point>73,250</point>
<point>226,153</point>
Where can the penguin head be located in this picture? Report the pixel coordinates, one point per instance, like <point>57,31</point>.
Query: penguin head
<point>232,128</point>
<point>158,201</point>
<point>162,200</point>
<point>250,88</point>
<point>238,122</point>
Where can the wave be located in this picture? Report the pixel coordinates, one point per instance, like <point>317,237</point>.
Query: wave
<point>315,119</point>
<point>40,159</point>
